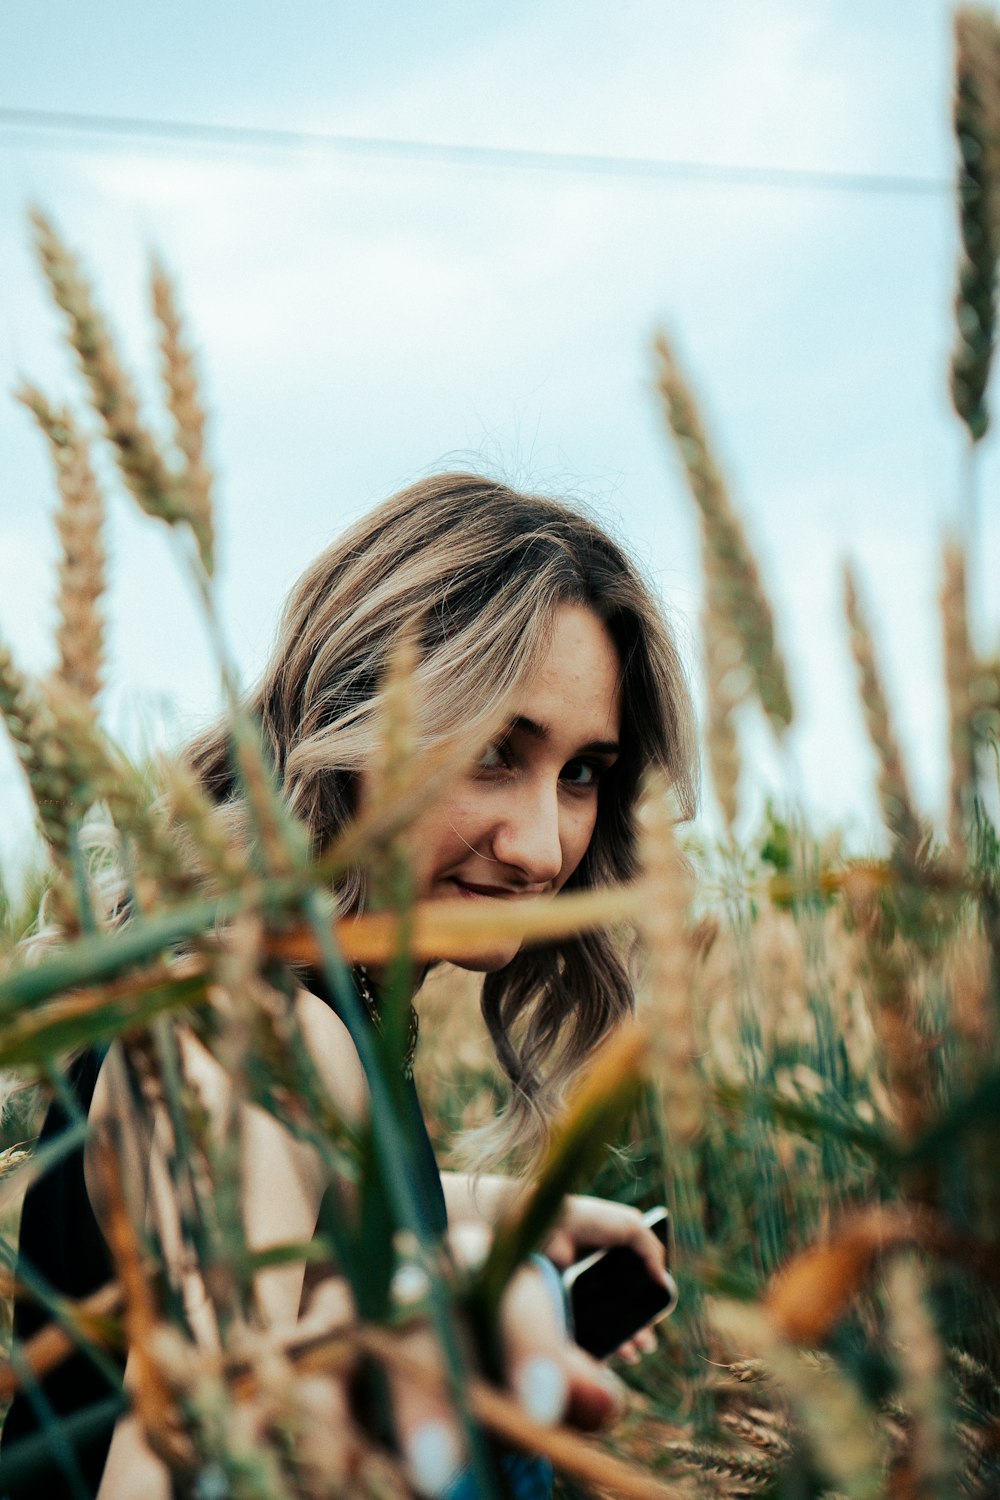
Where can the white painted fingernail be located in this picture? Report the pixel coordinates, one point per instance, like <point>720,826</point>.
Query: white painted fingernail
<point>433,1457</point>
<point>541,1387</point>
<point>410,1284</point>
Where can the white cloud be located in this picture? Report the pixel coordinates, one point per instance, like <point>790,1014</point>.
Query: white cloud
<point>359,320</point>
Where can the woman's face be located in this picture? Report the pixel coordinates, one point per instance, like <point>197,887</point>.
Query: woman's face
<point>520,822</point>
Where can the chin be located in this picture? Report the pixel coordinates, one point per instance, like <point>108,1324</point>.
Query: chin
<point>487,963</point>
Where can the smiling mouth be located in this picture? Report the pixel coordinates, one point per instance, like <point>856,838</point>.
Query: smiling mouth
<point>495,892</point>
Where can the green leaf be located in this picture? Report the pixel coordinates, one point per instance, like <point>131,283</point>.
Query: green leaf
<point>595,1114</point>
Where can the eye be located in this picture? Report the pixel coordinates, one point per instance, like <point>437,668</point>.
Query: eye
<point>582,773</point>
<point>495,757</point>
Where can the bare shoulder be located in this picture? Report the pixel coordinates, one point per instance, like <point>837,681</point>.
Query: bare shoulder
<point>334,1054</point>
<point>326,1036</point>
<point>113,1113</point>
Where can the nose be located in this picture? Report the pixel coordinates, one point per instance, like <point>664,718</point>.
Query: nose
<point>527,835</point>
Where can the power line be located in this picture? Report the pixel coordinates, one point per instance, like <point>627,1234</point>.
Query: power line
<point>42,125</point>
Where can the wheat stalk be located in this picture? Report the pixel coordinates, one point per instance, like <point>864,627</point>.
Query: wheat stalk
<point>893,1002</point>
<point>724,691</point>
<point>840,1428</point>
<point>763,1429</point>
<point>43,759</point>
<point>727,1465</point>
<point>112,394</point>
<point>197,827</point>
<point>189,417</point>
<point>95,772</point>
<point>663,924</point>
<point>150,1391</point>
<point>391,778</point>
<point>281,841</point>
<point>920,1358</point>
<point>158,491</point>
<point>984,692</point>
<point>893,787</point>
<point>731,571</point>
<point>54,1342</point>
<point>959,672</point>
<point>975,118</point>
<point>80,522</point>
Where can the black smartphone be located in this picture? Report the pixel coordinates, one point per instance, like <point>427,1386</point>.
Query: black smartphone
<point>611,1294</point>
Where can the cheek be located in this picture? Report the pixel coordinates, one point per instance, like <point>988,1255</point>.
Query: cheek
<point>442,835</point>
<point>576,834</point>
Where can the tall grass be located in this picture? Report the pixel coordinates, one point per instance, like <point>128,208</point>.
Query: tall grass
<point>813,1087</point>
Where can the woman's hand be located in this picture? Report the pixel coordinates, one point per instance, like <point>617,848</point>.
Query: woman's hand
<point>586,1224</point>
<point>552,1378</point>
<point>589,1224</point>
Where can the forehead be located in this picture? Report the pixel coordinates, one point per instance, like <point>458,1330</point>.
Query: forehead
<point>576,690</point>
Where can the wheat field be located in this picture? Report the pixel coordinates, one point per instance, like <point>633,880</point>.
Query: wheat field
<point>813,1083</point>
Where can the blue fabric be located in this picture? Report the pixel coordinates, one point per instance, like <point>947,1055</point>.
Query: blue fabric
<point>556,1288</point>
<point>527,1476</point>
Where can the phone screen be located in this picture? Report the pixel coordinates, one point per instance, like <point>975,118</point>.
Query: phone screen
<point>612,1294</point>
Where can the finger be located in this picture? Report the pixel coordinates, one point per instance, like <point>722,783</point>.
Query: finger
<point>328,1439</point>
<point>426,1427</point>
<point>655,1256</point>
<point>612,1223</point>
<point>648,1246</point>
<point>596,1396</point>
<point>560,1248</point>
<point>533,1334</point>
<point>646,1341</point>
<point>635,1348</point>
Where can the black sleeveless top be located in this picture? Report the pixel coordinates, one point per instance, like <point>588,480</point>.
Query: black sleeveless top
<point>61,1245</point>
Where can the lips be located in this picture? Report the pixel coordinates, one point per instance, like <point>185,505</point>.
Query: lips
<point>470,890</point>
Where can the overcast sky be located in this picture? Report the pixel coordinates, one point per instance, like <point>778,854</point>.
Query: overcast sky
<point>364,317</point>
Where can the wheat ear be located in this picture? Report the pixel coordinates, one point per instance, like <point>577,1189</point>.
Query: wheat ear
<point>391,776</point>
<point>959,672</point>
<point>670,959</point>
<point>920,1358</point>
<point>43,759</point>
<point>725,689</point>
<point>181,383</point>
<point>893,787</point>
<point>975,118</point>
<point>728,560</point>
<point>96,772</point>
<point>197,825</point>
<point>82,566</point>
<point>282,842</point>
<point>145,471</point>
<point>985,692</point>
<point>846,1446</point>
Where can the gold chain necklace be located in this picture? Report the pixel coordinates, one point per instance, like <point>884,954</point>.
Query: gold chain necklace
<point>367,993</point>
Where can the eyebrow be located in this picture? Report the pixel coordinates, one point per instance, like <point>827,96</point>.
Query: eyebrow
<point>540,732</point>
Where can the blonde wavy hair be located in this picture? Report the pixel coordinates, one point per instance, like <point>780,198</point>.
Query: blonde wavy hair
<point>474,570</point>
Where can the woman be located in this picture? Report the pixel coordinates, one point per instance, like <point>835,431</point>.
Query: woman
<point>539,647</point>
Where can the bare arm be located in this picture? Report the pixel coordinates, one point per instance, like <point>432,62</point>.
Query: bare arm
<point>283,1182</point>
<point>282,1189</point>
<point>477,1200</point>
